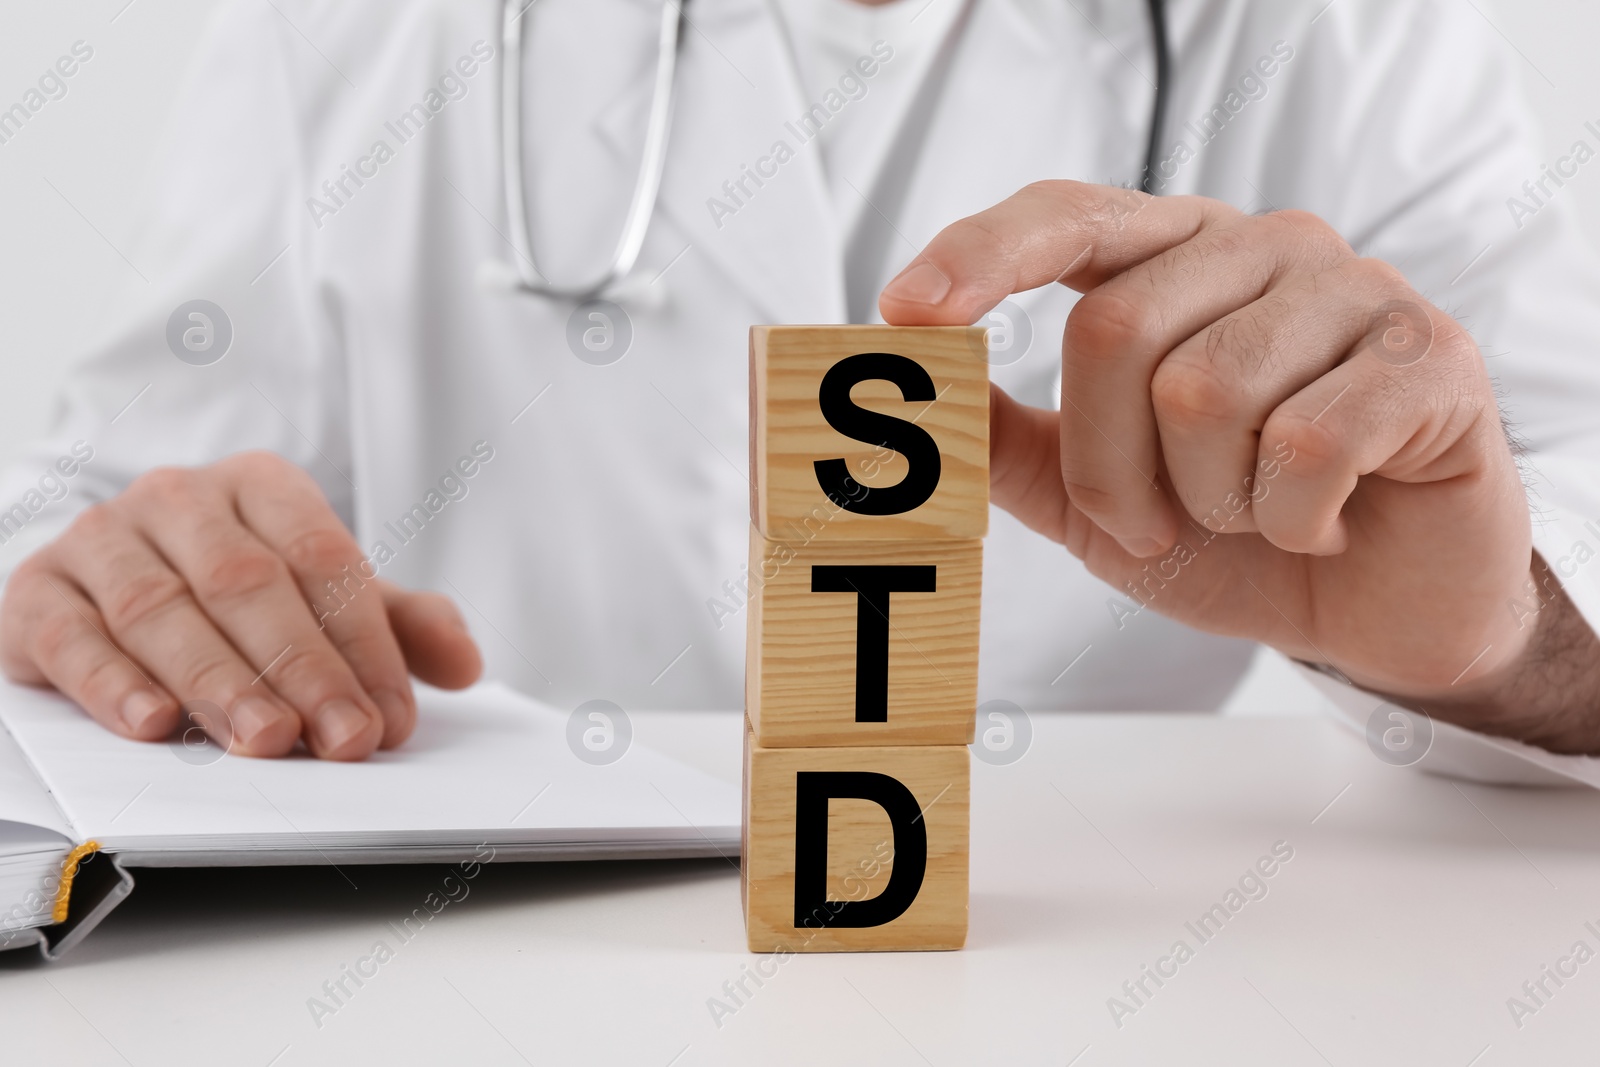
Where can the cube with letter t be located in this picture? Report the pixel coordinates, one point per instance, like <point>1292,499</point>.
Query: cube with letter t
<point>869,498</point>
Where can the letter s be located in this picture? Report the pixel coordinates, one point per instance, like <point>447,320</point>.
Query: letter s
<point>870,427</point>
<point>83,50</point>
<point>1283,50</point>
<point>483,50</point>
<point>1283,850</point>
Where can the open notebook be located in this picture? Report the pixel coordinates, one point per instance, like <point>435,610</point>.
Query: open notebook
<point>486,767</point>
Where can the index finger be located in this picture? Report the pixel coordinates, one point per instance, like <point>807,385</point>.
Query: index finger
<point>1054,231</point>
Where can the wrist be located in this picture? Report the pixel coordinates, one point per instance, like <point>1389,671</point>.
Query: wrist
<point>1548,694</point>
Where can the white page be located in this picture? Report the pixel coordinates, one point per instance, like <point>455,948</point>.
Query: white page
<point>483,765</point>
<point>34,838</point>
<point>23,797</point>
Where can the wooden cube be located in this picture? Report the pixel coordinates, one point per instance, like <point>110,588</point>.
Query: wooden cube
<point>863,643</point>
<point>855,849</point>
<point>869,432</point>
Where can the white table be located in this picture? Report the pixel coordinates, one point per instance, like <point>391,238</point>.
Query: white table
<point>1412,909</point>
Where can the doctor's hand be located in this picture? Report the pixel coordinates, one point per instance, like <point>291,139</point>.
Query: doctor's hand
<point>1265,435</point>
<point>235,585</point>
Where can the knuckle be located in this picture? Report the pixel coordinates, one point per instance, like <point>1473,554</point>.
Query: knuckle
<point>1054,187</point>
<point>1379,275</point>
<point>1253,338</point>
<point>310,670</point>
<point>1106,324</point>
<point>1055,193</point>
<point>256,463</point>
<point>169,486</point>
<point>1313,447</point>
<point>1300,225</point>
<point>1046,191</point>
<point>16,666</point>
<point>1308,224</point>
<point>21,601</point>
<point>208,675</point>
<point>1188,263</point>
<point>375,658</point>
<point>53,636</point>
<point>1453,339</point>
<point>1074,206</point>
<point>1187,394</point>
<point>103,681</point>
<point>141,597</point>
<point>1230,241</point>
<point>237,573</point>
<point>320,550</point>
<point>982,231</point>
<point>260,467</point>
<point>95,523</point>
<point>1215,212</point>
<point>29,573</point>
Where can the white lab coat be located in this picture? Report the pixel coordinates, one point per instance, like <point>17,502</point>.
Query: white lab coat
<point>589,553</point>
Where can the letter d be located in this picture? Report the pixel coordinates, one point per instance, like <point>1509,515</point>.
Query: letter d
<point>813,790</point>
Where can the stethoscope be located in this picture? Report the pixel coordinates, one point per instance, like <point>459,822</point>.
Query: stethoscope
<point>523,273</point>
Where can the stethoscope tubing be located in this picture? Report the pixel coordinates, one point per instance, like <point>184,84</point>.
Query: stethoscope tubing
<point>525,275</point>
<point>652,163</point>
<point>1162,46</point>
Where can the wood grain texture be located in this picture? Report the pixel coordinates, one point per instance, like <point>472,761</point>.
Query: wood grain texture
<point>801,651</point>
<point>788,432</point>
<point>860,849</point>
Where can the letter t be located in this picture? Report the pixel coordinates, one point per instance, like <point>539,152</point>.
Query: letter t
<point>872,585</point>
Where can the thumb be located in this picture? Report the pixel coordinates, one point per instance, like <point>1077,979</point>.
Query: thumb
<point>1025,466</point>
<point>433,637</point>
<point>1025,479</point>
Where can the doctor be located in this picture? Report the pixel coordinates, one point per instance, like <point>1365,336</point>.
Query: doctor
<point>370,454</point>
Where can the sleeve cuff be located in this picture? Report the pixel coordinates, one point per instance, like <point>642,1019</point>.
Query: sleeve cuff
<point>1566,530</point>
<point>1446,749</point>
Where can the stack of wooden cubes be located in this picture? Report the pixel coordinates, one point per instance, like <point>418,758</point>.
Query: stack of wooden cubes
<point>869,474</point>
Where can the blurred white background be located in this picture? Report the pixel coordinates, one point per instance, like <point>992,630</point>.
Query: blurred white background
<point>71,179</point>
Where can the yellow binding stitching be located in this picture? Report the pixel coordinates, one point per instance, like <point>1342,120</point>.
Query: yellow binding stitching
<point>69,871</point>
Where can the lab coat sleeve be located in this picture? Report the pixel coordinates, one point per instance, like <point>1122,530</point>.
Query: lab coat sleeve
<point>1418,109</point>
<point>223,219</point>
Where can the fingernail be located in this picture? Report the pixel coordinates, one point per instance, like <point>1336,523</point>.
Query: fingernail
<point>1143,547</point>
<point>139,706</point>
<point>920,284</point>
<point>338,721</point>
<point>251,717</point>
